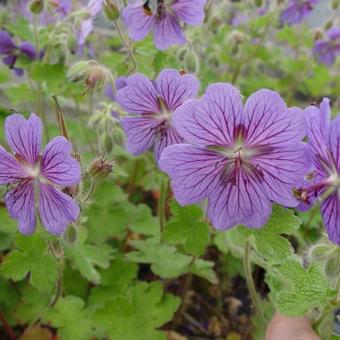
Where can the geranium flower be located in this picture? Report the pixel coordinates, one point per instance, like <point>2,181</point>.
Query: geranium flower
<point>324,141</point>
<point>152,104</point>
<point>11,51</point>
<point>162,18</point>
<point>38,178</point>
<point>327,50</point>
<point>241,158</point>
<point>297,11</point>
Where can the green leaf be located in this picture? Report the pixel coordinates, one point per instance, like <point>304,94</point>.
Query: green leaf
<point>8,229</point>
<point>138,314</point>
<point>71,318</point>
<point>186,228</point>
<point>205,270</point>
<point>305,288</point>
<point>31,258</point>
<point>85,257</point>
<point>164,259</point>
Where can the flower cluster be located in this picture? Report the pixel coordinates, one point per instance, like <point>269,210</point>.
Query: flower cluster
<point>36,177</point>
<point>297,11</point>
<point>162,18</point>
<point>242,158</point>
<point>326,50</point>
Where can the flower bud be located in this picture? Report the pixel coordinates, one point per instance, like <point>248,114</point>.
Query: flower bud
<point>36,6</point>
<point>332,268</point>
<point>100,169</point>
<point>105,144</point>
<point>317,34</point>
<point>258,3</point>
<point>191,62</point>
<point>335,4</point>
<point>320,252</point>
<point>110,10</point>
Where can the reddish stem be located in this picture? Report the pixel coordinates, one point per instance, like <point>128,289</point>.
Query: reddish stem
<point>8,329</point>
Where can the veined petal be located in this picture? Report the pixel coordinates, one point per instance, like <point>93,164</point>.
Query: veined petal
<point>334,143</point>
<point>10,169</point>
<point>140,133</point>
<point>194,172</point>
<point>58,165</point>
<point>241,202</point>
<point>21,206</point>
<point>139,24</point>
<point>175,88</point>
<point>139,96</point>
<point>57,210</point>
<point>190,11</point>
<point>330,210</point>
<point>213,119</point>
<point>269,122</point>
<point>167,32</point>
<point>168,137</point>
<point>24,136</point>
<point>283,169</point>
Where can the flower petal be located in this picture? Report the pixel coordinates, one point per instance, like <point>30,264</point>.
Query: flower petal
<point>175,88</point>
<point>10,169</point>
<point>140,132</point>
<point>269,122</point>
<point>168,32</point>
<point>57,210</point>
<point>139,24</point>
<point>242,202</point>
<point>334,143</point>
<point>190,11</point>
<point>139,96</point>
<point>284,169</point>
<point>330,210</point>
<point>21,206</point>
<point>212,120</point>
<point>7,45</point>
<point>168,137</point>
<point>24,136</point>
<point>58,165</point>
<point>194,171</point>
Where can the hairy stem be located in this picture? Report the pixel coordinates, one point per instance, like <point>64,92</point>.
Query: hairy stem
<point>162,204</point>
<point>251,285</point>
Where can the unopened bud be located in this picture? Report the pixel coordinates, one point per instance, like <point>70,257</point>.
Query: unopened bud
<point>191,62</point>
<point>110,10</point>
<point>258,3</point>
<point>317,34</point>
<point>332,268</point>
<point>36,6</point>
<point>100,169</point>
<point>105,144</point>
<point>328,25</point>
<point>335,4</point>
<point>321,252</point>
<point>237,37</point>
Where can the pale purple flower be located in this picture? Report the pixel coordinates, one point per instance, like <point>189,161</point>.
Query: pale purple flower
<point>120,82</point>
<point>297,11</point>
<point>162,18</point>
<point>324,141</point>
<point>152,103</point>
<point>241,158</point>
<point>38,178</point>
<point>54,10</point>
<point>11,51</point>
<point>327,50</point>
<point>86,25</point>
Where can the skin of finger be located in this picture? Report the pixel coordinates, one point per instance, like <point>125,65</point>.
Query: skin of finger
<point>289,328</point>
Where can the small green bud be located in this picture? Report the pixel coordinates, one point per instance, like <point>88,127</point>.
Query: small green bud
<point>335,4</point>
<point>328,25</point>
<point>321,252</point>
<point>105,144</point>
<point>71,234</point>
<point>100,169</point>
<point>332,268</point>
<point>258,3</point>
<point>191,62</point>
<point>36,6</point>
<point>110,10</point>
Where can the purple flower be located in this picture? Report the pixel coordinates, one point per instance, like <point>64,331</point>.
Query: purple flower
<point>86,26</point>
<point>11,51</point>
<point>152,103</point>
<point>110,92</point>
<point>38,176</point>
<point>241,158</point>
<point>324,142</point>
<point>163,20</point>
<point>297,10</point>
<point>327,50</point>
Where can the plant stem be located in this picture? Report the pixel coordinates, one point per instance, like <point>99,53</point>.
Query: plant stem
<point>7,328</point>
<point>162,204</point>
<point>133,177</point>
<point>251,285</point>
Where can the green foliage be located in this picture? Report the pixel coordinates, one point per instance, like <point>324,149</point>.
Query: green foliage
<point>31,258</point>
<point>142,310</point>
<point>304,288</point>
<point>187,229</point>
